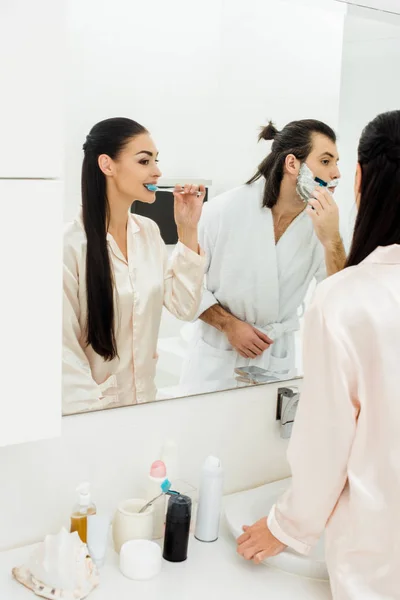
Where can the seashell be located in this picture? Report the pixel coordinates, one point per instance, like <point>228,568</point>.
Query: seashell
<point>59,569</point>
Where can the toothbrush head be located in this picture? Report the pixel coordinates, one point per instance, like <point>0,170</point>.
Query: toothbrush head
<point>151,187</point>
<point>165,486</point>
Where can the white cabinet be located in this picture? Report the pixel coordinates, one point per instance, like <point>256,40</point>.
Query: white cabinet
<point>30,310</point>
<point>31,151</point>
<point>31,76</point>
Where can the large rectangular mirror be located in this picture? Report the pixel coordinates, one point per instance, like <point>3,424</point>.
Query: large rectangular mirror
<point>204,81</point>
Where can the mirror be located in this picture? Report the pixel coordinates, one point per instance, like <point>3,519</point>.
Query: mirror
<point>202,80</point>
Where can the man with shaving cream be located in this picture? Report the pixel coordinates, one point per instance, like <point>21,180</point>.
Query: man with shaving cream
<point>265,242</point>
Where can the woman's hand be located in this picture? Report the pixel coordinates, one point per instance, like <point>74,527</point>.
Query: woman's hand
<point>187,211</point>
<point>257,542</point>
<point>188,205</point>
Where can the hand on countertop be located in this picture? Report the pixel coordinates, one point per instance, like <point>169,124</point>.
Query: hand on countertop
<point>257,542</point>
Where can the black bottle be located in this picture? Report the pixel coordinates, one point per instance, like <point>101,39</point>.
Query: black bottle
<point>177,526</point>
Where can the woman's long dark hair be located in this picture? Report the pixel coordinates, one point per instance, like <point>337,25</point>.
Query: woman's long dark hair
<point>107,137</point>
<point>378,219</point>
<point>295,138</point>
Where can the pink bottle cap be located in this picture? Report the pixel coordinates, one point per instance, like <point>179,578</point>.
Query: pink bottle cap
<point>158,469</point>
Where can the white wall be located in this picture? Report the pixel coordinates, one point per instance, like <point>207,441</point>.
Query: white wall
<point>114,449</point>
<point>370,85</point>
<point>272,68</point>
<point>153,62</point>
<point>202,77</point>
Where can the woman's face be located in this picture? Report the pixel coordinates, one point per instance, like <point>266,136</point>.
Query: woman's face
<point>135,166</point>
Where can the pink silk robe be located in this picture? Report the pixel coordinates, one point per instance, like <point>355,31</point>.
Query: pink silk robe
<point>345,448</point>
<point>143,284</point>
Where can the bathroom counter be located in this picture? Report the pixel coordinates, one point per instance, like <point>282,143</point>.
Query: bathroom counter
<point>212,571</point>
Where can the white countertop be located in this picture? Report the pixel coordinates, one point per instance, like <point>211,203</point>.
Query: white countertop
<point>212,571</point>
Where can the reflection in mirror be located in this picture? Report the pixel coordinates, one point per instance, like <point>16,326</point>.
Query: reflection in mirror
<point>138,326</point>
<point>265,242</point>
<point>117,275</point>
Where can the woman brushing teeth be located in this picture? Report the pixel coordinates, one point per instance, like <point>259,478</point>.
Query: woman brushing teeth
<point>117,276</point>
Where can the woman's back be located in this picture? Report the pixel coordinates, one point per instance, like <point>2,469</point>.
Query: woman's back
<point>360,308</point>
<point>345,448</point>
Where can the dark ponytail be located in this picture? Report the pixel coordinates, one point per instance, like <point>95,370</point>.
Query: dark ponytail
<point>107,137</point>
<point>378,218</point>
<point>295,138</point>
<point>269,132</point>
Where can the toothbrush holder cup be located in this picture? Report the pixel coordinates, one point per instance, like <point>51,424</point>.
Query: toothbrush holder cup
<point>129,524</point>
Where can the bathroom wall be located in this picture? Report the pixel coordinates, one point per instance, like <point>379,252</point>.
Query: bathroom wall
<point>113,450</point>
<point>202,77</point>
<point>371,55</point>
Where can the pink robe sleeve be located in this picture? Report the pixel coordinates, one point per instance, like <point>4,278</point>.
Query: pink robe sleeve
<point>183,281</point>
<point>323,433</point>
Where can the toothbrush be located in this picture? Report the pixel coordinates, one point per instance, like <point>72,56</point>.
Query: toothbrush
<point>153,188</point>
<point>166,489</point>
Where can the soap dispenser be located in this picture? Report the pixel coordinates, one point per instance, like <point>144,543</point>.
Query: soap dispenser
<point>81,510</point>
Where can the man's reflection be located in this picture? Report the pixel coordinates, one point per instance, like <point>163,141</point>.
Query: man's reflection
<point>265,242</point>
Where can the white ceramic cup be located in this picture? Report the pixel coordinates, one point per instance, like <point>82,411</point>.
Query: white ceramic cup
<point>129,524</point>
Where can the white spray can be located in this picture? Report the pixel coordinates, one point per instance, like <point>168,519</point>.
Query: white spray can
<point>210,500</point>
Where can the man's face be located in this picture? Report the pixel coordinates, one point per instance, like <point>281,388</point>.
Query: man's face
<point>323,159</point>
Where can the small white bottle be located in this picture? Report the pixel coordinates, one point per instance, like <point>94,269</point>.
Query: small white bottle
<point>210,499</point>
<point>158,474</point>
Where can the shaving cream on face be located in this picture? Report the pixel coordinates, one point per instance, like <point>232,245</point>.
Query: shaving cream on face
<point>307,182</point>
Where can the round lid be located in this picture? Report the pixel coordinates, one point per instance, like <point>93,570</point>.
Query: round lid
<point>212,462</point>
<point>158,469</point>
<point>179,508</point>
<point>140,559</point>
<point>83,490</point>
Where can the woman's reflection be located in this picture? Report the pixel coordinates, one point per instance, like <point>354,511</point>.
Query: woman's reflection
<point>116,273</point>
<point>264,244</point>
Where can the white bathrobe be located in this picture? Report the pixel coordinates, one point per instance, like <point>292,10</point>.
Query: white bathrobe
<point>258,281</point>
